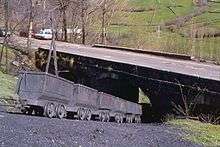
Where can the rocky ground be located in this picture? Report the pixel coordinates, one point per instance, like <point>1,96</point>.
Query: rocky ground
<point>25,131</point>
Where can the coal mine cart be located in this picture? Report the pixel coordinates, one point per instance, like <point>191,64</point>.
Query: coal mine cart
<point>46,94</point>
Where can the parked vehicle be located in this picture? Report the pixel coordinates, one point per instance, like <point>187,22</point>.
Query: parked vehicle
<point>25,33</point>
<point>44,34</point>
<point>57,97</point>
<point>3,32</point>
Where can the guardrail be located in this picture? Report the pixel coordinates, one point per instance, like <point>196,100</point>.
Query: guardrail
<point>156,53</point>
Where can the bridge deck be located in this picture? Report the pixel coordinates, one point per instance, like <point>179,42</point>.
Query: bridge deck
<point>192,68</point>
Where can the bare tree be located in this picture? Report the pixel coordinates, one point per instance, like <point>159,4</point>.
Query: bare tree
<point>104,11</point>
<point>63,5</point>
<point>30,23</point>
<point>52,47</point>
<point>108,9</point>
<point>83,11</point>
<point>86,9</point>
<point>74,25</point>
<point>5,42</point>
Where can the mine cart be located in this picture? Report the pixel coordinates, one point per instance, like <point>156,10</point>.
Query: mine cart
<point>52,96</point>
<point>44,93</point>
<point>36,88</point>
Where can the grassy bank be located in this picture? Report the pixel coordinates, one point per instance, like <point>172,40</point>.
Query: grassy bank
<point>7,85</point>
<point>201,133</point>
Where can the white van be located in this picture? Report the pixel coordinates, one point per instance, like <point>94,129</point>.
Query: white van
<point>44,34</point>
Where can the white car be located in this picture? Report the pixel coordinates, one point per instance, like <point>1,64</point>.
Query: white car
<point>44,34</point>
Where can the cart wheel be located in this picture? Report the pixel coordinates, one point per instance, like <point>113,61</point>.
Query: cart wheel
<point>78,113</point>
<point>137,119</point>
<point>50,110</point>
<point>132,118</point>
<point>24,110</point>
<point>121,117</point>
<point>81,114</point>
<point>107,117</point>
<point>117,118</point>
<point>101,117</point>
<point>60,111</point>
<point>127,118</point>
<point>45,110</point>
<point>88,114</point>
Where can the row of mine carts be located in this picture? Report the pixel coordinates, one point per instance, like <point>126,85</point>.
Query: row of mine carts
<point>45,94</point>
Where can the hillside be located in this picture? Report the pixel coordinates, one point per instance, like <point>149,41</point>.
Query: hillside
<point>141,25</point>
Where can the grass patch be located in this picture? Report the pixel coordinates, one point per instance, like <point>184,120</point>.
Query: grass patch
<point>211,19</point>
<point>180,7</point>
<point>7,82</point>
<point>134,28</point>
<point>201,133</point>
<point>140,29</point>
<point>143,98</point>
<point>7,85</point>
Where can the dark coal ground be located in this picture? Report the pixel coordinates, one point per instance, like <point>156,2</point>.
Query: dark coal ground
<point>31,131</point>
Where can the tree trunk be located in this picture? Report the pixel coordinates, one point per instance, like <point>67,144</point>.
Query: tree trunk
<point>103,35</point>
<point>44,8</point>
<point>52,49</point>
<point>30,28</point>
<point>5,43</point>
<point>65,26</point>
<point>83,25</point>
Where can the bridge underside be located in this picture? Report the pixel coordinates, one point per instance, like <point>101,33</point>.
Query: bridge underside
<point>164,89</point>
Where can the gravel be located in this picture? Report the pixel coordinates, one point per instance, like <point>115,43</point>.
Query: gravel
<point>31,131</point>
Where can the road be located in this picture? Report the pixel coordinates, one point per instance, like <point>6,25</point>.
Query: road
<point>192,68</point>
<point>25,131</point>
